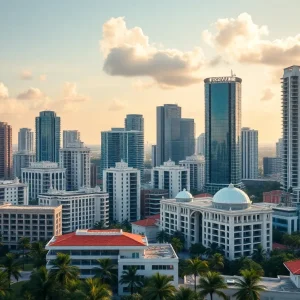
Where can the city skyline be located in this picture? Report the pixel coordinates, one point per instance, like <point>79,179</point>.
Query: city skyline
<point>66,74</point>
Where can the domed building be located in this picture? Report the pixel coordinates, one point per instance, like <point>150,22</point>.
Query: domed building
<point>228,219</point>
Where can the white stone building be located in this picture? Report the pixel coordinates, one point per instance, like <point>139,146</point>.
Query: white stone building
<point>148,227</point>
<point>170,177</point>
<point>80,209</point>
<point>196,165</point>
<point>229,219</point>
<point>70,137</point>
<point>76,159</point>
<point>125,249</point>
<point>41,176</point>
<point>14,192</point>
<point>123,185</point>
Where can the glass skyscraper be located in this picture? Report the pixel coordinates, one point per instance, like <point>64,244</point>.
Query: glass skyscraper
<point>47,127</point>
<point>222,132</point>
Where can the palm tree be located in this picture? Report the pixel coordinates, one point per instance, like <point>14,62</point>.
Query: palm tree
<point>162,236</point>
<point>259,254</point>
<point>216,262</point>
<point>248,286</point>
<point>38,254</point>
<point>107,270</point>
<point>214,248</point>
<point>212,283</point>
<point>130,278</point>
<point>99,225</point>
<point>196,267</point>
<point>93,289</point>
<point>186,294</point>
<point>4,285</point>
<point>177,244</point>
<point>11,267</point>
<point>24,244</point>
<point>62,272</point>
<point>159,288</point>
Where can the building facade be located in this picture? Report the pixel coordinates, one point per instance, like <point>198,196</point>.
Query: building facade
<point>150,201</point>
<point>14,192</point>
<point>153,156</point>
<point>94,174</point>
<point>6,167</point>
<point>70,137</point>
<point>134,122</point>
<point>148,227</point>
<point>123,185</point>
<point>41,176</point>
<point>249,153</point>
<point>22,160</point>
<point>272,167</point>
<point>25,140</point>
<point>47,139</point>
<point>222,132</point>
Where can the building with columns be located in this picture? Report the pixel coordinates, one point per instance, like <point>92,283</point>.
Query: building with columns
<point>229,219</point>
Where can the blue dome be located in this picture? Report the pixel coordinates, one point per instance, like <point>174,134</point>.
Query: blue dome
<point>231,195</point>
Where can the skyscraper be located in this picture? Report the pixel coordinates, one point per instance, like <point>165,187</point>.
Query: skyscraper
<point>249,153</point>
<point>47,136</point>
<point>134,122</point>
<point>279,148</point>
<point>70,136</point>
<point>25,140</point>
<point>6,168</point>
<point>222,132</point>
<point>201,144</point>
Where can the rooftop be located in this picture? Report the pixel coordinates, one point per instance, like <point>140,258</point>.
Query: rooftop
<point>82,191</point>
<point>9,206</point>
<point>293,266</point>
<point>231,195</point>
<point>151,221</point>
<point>154,251</point>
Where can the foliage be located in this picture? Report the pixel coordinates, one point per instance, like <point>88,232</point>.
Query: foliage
<point>4,285</point>
<point>213,249</point>
<point>212,283</point>
<point>216,262</point>
<point>184,293</point>
<point>259,254</point>
<point>234,267</point>
<point>11,267</point>
<point>277,236</point>
<point>177,244</point>
<point>38,254</point>
<point>107,271</point>
<point>130,278</point>
<point>135,296</point>
<point>197,249</point>
<point>93,289</point>
<point>274,265</point>
<point>162,236</point>
<point>99,225</point>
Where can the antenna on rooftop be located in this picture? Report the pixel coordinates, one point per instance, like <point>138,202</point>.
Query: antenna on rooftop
<point>232,74</point>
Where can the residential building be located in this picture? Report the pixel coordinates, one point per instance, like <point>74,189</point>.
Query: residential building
<point>6,168</point>
<point>25,140</point>
<point>134,122</point>
<point>70,137</point>
<point>229,219</point>
<point>80,209</point>
<point>196,165</point>
<point>249,153</point>
<point>76,159</point>
<point>148,227</point>
<point>286,219</point>
<point>35,222</point>
<point>41,176</point>
<point>47,139</point>
<point>170,177</point>
<point>222,132</point>
<point>272,167</point>
<point>22,160</point>
<point>125,249</point>
<point>123,185</point>
<point>201,144</point>
<point>14,192</point>
<point>150,201</point>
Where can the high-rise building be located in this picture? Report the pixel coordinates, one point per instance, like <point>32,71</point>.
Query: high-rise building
<point>222,132</point>
<point>249,153</point>
<point>76,159</point>
<point>47,127</point>
<point>14,192</point>
<point>118,144</point>
<point>93,175</point>
<point>279,148</point>
<point>272,167</point>
<point>196,165</point>
<point>201,144</point>
<point>134,122</point>
<point>123,185</point>
<point>6,167</point>
<point>22,160</point>
<point>25,140</point>
<point>70,137</point>
<point>153,156</point>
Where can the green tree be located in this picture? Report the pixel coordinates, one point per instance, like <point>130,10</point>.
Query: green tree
<point>248,287</point>
<point>4,285</point>
<point>162,236</point>
<point>196,267</point>
<point>213,248</point>
<point>11,267</point>
<point>212,283</point>
<point>176,244</point>
<point>24,244</point>
<point>107,270</point>
<point>184,293</point>
<point>197,249</point>
<point>130,278</point>
<point>216,262</point>
<point>259,254</point>
<point>99,225</point>
<point>159,288</point>
<point>38,254</point>
<point>93,289</point>
<point>135,296</point>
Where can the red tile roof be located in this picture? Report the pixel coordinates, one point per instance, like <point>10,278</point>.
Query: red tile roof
<point>151,221</point>
<point>279,246</point>
<point>156,217</point>
<point>122,239</point>
<point>293,266</point>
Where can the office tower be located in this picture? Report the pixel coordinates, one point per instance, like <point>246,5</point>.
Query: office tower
<point>94,176</point>
<point>170,177</point>
<point>25,140</point>
<point>118,144</point>
<point>70,136</point>
<point>249,153</point>
<point>134,122</point>
<point>201,144</point>
<point>196,165</point>
<point>14,192</point>
<point>153,155</point>
<point>279,148</point>
<point>222,132</point>
<point>76,159</point>
<point>6,168</point>
<point>123,186</point>
<point>22,160</point>
<point>272,167</point>
<point>42,176</point>
<point>47,127</point>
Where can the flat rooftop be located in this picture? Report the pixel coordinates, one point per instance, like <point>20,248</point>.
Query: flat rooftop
<point>27,207</point>
<point>163,251</point>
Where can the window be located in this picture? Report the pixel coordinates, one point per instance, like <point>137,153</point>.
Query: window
<point>162,267</point>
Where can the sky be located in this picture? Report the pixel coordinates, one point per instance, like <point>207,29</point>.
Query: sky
<point>95,61</point>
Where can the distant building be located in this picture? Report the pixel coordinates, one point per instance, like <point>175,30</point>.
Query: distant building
<point>94,175</point>
<point>70,137</point>
<point>6,167</point>
<point>277,197</point>
<point>14,192</point>
<point>148,227</point>
<point>286,219</point>
<point>22,160</point>
<point>134,122</point>
<point>201,144</point>
<point>279,148</point>
<point>25,140</point>
<point>150,201</point>
<point>153,156</point>
<point>272,167</point>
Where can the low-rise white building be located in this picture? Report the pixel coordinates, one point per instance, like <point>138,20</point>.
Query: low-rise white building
<point>148,227</point>
<point>125,249</point>
<point>80,209</point>
<point>14,192</point>
<point>229,219</point>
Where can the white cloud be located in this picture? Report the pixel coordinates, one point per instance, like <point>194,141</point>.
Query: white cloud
<point>3,91</point>
<point>43,77</point>
<point>267,95</point>
<point>31,94</point>
<point>70,93</point>
<point>117,105</point>
<point>26,75</point>
<point>128,53</point>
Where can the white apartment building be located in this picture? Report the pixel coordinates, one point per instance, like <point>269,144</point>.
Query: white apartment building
<point>14,192</point>
<point>229,219</point>
<point>70,137</point>
<point>201,144</point>
<point>22,160</point>
<point>32,221</point>
<point>80,209</point>
<point>196,165</point>
<point>148,227</point>
<point>76,159</point>
<point>170,177</point>
<point>125,249</point>
<point>123,185</point>
<point>249,153</point>
<point>41,176</point>
<point>25,140</point>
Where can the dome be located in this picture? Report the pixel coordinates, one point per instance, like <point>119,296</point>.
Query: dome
<point>184,196</point>
<point>231,195</point>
